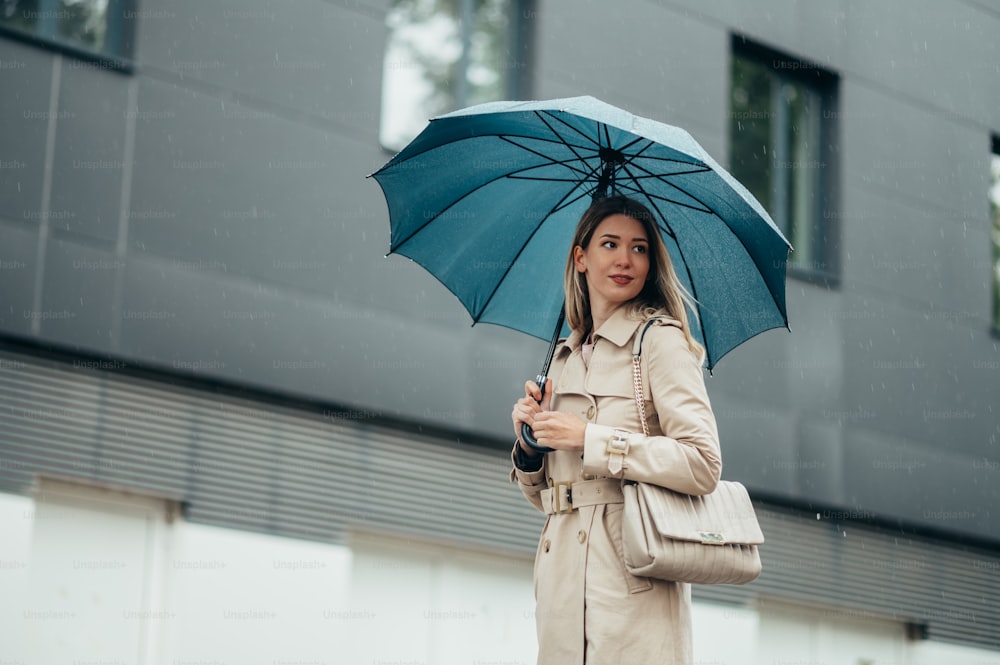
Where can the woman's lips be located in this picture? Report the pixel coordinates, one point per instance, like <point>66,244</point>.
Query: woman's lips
<point>621,279</point>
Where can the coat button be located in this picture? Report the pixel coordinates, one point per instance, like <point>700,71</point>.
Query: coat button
<point>546,545</point>
<point>590,412</point>
<point>581,536</point>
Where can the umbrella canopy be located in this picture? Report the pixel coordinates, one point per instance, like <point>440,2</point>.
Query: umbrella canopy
<point>487,199</point>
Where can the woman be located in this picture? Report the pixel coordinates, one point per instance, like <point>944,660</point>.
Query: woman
<point>589,608</point>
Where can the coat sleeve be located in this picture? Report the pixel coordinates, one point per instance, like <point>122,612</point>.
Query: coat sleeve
<point>687,457</point>
<point>531,483</point>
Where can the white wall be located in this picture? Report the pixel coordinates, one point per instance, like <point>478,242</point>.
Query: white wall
<point>425,603</point>
<point>16,519</point>
<point>95,583</point>
<point>811,636</point>
<point>936,653</point>
<point>187,593</point>
<point>238,597</point>
<point>724,635</point>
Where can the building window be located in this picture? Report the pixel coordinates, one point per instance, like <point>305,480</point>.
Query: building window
<point>443,55</point>
<point>781,124</point>
<point>995,229</point>
<point>86,27</point>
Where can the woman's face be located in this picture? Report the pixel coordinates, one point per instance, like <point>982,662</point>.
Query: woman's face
<point>615,262</point>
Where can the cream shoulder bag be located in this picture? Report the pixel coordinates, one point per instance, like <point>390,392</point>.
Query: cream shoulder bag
<point>667,535</point>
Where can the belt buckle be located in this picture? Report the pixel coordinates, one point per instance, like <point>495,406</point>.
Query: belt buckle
<point>564,505</point>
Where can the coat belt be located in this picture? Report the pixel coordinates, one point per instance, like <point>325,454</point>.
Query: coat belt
<point>567,497</point>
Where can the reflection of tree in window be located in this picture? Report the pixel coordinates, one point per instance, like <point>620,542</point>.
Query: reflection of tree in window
<point>22,14</point>
<point>442,55</point>
<point>750,128</point>
<point>77,22</point>
<point>775,150</point>
<point>995,215</point>
<point>83,21</point>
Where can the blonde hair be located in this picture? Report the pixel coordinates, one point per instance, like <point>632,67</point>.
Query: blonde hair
<point>662,295</point>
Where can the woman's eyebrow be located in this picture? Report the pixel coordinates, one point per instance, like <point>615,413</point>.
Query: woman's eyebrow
<point>617,237</point>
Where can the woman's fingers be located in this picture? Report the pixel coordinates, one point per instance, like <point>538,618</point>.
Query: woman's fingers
<point>546,401</point>
<point>559,430</point>
<point>532,390</point>
<point>524,411</point>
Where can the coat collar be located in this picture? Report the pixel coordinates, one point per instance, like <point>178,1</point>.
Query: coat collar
<point>618,330</point>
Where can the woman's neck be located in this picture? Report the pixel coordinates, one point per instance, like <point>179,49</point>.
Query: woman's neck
<point>600,315</point>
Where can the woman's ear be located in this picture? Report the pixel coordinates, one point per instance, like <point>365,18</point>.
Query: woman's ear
<point>578,256</point>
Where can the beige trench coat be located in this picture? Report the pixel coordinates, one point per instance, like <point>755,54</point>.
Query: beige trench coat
<point>589,609</point>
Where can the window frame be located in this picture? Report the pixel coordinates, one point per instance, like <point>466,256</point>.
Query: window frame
<point>994,263</point>
<point>826,221</point>
<point>519,84</point>
<point>122,16</point>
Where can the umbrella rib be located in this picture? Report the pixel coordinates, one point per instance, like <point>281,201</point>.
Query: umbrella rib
<point>507,138</point>
<point>550,162</point>
<point>566,203</point>
<point>707,209</point>
<point>637,187</point>
<point>559,141</point>
<point>569,126</point>
<point>649,144</point>
<point>513,175</point>
<point>560,136</point>
<point>661,177</point>
<point>569,145</point>
<point>628,145</point>
<point>558,206</point>
<point>658,158</point>
<point>653,176</point>
<point>632,156</point>
<point>694,290</point>
<point>652,199</point>
<point>437,215</point>
<point>539,179</point>
<point>687,269</point>
<point>584,174</point>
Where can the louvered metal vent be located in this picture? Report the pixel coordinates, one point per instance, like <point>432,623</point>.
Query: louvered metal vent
<point>319,474</point>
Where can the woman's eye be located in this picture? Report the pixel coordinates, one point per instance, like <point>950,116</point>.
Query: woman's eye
<point>610,244</point>
<point>640,249</point>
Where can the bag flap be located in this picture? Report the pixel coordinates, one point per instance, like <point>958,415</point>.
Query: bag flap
<point>726,516</point>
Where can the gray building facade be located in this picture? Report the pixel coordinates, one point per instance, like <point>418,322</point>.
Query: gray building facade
<point>192,268</point>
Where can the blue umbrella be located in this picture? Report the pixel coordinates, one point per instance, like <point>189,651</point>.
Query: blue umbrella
<point>487,199</point>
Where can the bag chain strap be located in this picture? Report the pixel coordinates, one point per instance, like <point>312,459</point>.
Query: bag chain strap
<point>640,403</point>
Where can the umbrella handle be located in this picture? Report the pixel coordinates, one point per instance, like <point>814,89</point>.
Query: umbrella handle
<point>526,434</point>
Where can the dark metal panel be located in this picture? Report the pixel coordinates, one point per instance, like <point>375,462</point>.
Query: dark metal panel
<point>18,264</point>
<point>26,79</point>
<point>89,162</point>
<point>323,61</point>
<point>76,309</point>
<point>239,189</point>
